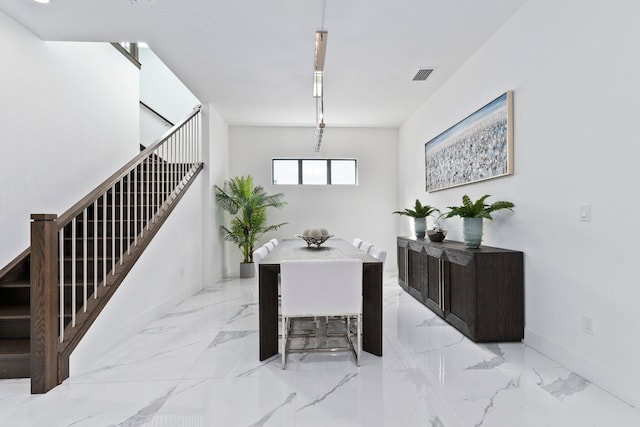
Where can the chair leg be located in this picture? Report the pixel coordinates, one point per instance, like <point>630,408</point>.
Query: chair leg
<point>359,339</point>
<point>283,343</point>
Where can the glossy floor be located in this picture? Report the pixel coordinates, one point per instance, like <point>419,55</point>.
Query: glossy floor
<point>198,366</point>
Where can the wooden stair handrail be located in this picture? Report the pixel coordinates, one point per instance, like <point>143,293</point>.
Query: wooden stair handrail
<point>157,114</point>
<point>85,320</point>
<point>51,349</point>
<point>123,171</point>
<point>74,210</point>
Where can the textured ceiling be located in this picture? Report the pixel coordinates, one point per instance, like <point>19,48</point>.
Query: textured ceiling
<point>253,59</point>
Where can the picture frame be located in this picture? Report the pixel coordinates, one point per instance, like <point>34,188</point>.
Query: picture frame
<point>477,148</point>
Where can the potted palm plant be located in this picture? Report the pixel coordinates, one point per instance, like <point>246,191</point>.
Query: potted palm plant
<point>472,214</point>
<point>419,213</point>
<point>249,204</point>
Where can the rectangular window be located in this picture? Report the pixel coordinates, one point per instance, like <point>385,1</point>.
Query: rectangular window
<point>285,172</point>
<point>314,171</point>
<point>343,172</point>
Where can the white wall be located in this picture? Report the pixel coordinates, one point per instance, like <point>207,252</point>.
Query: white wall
<point>216,154</point>
<point>347,211</point>
<point>152,127</point>
<point>162,90</point>
<point>574,68</point>
<point>59,108</point>
<point>169,271</point>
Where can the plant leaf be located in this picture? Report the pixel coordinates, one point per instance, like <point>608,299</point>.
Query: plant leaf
<point>419,210</point>
<point>249,204</point>
<point>477,209</point>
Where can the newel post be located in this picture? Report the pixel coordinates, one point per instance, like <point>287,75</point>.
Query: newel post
<point>44,302</point>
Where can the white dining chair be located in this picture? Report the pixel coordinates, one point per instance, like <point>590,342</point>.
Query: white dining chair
<point>378,254</point>
<point>269,245</point>
<point>274,241</point>
<point>365,246</point>
<point>258,255</point>
<point>321,288</point>
<point>357,242</point>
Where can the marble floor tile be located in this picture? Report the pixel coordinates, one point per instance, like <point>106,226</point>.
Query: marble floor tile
<point>197,365</point>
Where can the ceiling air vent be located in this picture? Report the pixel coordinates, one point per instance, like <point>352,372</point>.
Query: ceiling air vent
<point>422,74</point>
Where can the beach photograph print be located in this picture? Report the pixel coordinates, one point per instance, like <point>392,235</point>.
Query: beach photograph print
<point>479,147</point>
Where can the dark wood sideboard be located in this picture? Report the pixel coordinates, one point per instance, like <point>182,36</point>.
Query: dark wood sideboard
<point>478,291</point>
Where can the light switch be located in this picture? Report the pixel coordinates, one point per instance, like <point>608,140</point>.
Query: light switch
<point>585,213</point>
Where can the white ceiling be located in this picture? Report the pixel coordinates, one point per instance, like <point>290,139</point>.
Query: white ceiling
<point>253,59</point>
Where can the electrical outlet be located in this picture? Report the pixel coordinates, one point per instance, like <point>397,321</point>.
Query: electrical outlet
<point>588,325</point>
<point>182,272</point>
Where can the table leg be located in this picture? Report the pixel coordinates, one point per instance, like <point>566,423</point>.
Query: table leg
<point>372,308</point>
<point>268,310</point>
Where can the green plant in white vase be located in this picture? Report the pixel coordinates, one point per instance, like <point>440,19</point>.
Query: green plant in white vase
<point>472,214</point>
<point>419,213</point>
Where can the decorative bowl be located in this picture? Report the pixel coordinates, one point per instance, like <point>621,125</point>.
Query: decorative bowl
<point>315,237</point>
<point>436,235</point>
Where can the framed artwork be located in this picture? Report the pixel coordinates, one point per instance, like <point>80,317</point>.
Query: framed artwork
<point>477,148</point>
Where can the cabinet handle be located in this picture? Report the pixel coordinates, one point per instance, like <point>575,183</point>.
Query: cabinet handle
<point>406,266</point>
<point>441,283</point>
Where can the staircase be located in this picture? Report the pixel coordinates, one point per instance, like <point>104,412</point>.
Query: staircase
<point>15,319</point>
<point>100,239</point>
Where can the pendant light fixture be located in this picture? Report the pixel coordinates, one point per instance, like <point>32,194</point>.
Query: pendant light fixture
<point>318,84</point>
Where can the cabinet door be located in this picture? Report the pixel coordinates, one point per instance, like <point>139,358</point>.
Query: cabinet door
<point>402,265</point>
<point>460,297</point>
<point>415,274</point>
<point>432,290</point>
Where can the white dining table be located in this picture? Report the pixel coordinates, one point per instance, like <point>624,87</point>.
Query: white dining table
<point>297,249</point>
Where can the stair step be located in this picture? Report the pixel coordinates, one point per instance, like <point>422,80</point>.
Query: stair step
<point>15,321</point>
<point>20,271</point>
<point>15,358</point>
<point>15,292</point>
<point>14,346</point>
<point>12,312</point>
<point>20,283</point>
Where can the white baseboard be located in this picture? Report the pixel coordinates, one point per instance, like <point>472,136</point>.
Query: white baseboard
<point>588,369</point>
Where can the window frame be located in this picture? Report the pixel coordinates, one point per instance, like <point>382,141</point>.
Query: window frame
<point>328,163</point>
